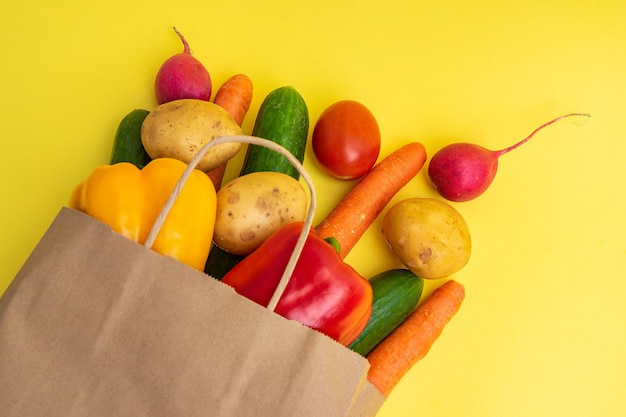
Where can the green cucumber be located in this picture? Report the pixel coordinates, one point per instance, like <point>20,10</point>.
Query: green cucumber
<point>396,295</point>
<point>127,146</point>
<point>283,118</point>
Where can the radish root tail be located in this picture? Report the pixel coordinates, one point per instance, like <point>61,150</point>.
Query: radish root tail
<point>526,139</point>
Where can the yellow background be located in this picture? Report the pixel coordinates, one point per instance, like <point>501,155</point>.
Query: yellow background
<point>541,332</point>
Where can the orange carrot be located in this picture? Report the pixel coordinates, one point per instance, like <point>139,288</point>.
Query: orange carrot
<point>358,209</point>
<point>234,96</point>
<point>411,341</point>
<point>216,175</point>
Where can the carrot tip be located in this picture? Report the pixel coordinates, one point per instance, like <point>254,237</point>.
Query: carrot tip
<point>411,341</point>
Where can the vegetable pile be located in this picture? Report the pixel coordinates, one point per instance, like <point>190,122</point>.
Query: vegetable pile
<point>244,231</point>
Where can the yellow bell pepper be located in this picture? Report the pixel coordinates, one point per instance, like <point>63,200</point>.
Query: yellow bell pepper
<point>129,200</point>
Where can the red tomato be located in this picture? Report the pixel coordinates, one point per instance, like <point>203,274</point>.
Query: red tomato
<point>346,140</point>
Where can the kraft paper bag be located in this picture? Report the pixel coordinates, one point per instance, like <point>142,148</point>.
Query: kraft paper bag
<point>95,324</point>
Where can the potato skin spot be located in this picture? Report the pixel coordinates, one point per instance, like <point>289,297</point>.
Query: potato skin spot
<point>247,234</point>
<point>233,197</point>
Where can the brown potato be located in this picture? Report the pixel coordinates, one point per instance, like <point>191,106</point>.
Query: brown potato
<point>179,128</point>
<point>429,236</point>
<point>252,207</point>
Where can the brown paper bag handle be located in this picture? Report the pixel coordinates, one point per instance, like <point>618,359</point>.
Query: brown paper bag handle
<point>308,222</point>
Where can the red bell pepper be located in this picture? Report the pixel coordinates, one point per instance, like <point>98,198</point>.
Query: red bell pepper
<point>323,293</point>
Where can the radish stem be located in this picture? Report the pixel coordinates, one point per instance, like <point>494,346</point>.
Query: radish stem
<point>186,49</point>
<point>521,142</point>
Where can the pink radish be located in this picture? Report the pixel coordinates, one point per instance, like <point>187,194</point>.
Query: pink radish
<point>182,76</point>
<point>463,171</point>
